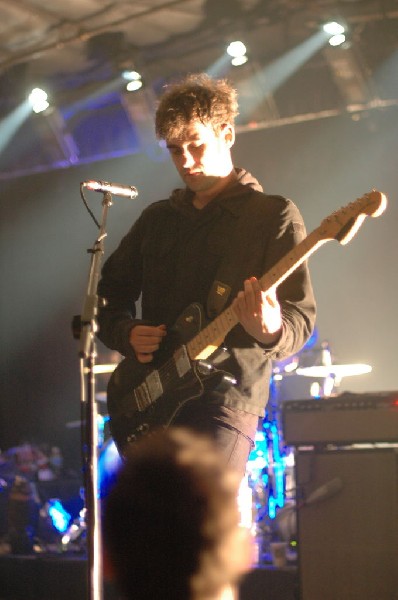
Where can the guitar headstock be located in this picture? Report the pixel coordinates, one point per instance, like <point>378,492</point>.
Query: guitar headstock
<point>343,224</point>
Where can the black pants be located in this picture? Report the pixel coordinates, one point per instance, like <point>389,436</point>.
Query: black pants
<point>233,430</point>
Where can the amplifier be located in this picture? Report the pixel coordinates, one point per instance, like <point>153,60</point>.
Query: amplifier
<point>345,419</point>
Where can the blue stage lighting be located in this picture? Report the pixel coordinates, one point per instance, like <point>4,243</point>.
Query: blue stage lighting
<point>59,516</point>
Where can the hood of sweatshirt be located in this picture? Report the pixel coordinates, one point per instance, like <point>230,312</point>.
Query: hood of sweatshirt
<point>181,198</point>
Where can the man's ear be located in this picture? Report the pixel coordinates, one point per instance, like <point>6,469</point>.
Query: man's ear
<point>228,131</point>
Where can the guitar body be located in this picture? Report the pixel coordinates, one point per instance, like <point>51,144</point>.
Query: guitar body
<point>144,397</point>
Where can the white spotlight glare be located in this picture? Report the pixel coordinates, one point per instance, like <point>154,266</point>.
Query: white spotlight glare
<point>131,75</point>
<point>38,100</point>
<point>333,28</point>
<point>337,40</point>
<point>134,85</point>
<point>134,80</point>
<point>236,61</point>
<point>236,49</point>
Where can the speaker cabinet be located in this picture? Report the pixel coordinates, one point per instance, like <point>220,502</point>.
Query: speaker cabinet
<point>347,523</point>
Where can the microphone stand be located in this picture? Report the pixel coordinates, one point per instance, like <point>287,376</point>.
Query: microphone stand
<point>87,354</point>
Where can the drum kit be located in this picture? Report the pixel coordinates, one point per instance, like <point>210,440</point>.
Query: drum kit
<point>270,469</point>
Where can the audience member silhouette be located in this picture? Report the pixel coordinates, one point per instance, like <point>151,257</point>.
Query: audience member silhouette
<point>171,524</point>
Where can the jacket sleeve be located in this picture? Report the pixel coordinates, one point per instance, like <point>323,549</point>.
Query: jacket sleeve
<point>119,289</point>
<point>295,294</point>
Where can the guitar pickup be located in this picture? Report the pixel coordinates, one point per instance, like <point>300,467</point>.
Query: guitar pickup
<point>182,362</point>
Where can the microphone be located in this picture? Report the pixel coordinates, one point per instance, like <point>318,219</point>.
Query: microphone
<point>126,191</point>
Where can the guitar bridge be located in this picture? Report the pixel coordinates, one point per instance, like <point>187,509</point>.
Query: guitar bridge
<point>154,384</point>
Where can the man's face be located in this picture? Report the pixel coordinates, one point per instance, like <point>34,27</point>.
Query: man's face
<point>201,156</point>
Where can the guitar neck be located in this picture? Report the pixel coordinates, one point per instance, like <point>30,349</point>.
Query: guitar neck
<point>292,260</point>
<point>212,336</point>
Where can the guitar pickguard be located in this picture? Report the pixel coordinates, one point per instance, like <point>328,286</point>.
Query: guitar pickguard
<point>142,398</point>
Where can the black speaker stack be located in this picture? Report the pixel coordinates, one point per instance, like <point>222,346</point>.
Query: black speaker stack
<point>346,475</point>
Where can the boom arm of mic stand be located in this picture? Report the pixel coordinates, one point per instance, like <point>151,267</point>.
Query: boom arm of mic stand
<point>87,353</point>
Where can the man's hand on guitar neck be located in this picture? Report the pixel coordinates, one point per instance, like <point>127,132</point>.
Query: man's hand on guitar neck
<point>146,339</point>
<point>258,312</point>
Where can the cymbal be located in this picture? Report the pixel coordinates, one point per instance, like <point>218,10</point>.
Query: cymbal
<point>338,371</point>
<point>106,368</point>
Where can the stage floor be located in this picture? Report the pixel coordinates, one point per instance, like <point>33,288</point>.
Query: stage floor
<point>64,577</point>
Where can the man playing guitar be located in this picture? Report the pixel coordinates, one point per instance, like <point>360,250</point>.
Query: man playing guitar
<point>205,247</point>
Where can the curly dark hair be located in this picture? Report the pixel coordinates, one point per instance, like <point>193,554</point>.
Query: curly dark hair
<point>171,522</point>
<point>197,97</point>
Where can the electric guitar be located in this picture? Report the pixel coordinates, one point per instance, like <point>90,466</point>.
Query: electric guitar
<point>143,397</point>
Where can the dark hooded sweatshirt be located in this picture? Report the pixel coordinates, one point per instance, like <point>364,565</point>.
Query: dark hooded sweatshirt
<point>175,255</point>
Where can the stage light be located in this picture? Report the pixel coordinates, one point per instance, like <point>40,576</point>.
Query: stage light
<point>134,80</point>
<point>236,61</point>
<point>131,75</point>
<point>333,28</point>
<point>237,51</point>
<point>336,31</point>
<point>133,86</point>
<point>59,516</point>
<point>337,40</point>
<point>38,100</point>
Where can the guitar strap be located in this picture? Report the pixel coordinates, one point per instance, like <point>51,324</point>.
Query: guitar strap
<point>227,274</point>
<point>217,298</point>
<point>220,292</point>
